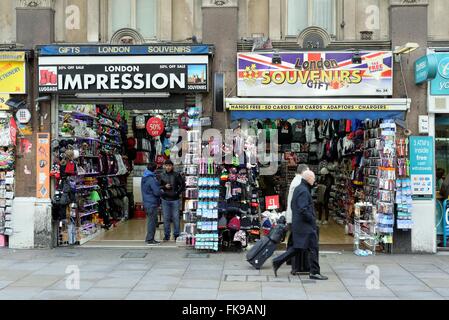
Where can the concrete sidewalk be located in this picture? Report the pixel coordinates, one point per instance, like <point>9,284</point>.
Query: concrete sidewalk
<point>156,273</point>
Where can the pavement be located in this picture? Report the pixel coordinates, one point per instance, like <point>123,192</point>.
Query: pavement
<point>185,274</point>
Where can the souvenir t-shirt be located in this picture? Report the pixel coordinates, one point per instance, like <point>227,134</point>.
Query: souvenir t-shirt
<point>285,132</point>
<point>267,126</point>
<point>183,121</point>
<point>298,132</point>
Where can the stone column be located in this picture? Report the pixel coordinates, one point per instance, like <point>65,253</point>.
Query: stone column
<point>220,28</point>
<point>408,23</point>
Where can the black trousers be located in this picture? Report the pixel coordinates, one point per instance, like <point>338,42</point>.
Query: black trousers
<point>291,252</point>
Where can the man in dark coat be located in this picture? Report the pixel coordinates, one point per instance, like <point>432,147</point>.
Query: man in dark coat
<point>304,229</point>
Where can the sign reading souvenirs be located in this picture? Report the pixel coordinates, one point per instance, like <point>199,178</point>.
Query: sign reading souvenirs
<point>122,74</point>
<point>315,74</point>
<point>109,50</point>
<point>12,72</point>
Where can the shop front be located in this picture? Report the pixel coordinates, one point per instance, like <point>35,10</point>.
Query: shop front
<point>114,110</point>
<point>13,115</point>
<point>433,69</point>
<point>332,111</point>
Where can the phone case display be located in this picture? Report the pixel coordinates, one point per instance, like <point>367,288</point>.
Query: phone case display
<point>365,227</point>
<point>7,187</point>
<point>206,237</point>
<point>89,165</point>
<point>404,203</point>
<point>8,134</point>
<point>387,183</point>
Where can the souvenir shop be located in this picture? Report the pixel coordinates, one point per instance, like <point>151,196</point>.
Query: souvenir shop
<point>113,115</point>
<point>361,156</point>
<point>356,146</point>
<point>14,124</point>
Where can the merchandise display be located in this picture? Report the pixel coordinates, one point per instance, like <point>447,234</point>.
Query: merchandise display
<point>90,166</point>
<point>8,134</point>
<point>368,164</point>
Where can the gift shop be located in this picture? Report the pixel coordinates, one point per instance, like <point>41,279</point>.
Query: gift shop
<point>115,109</point>
<point>14,115</point>
<point>334,112</point>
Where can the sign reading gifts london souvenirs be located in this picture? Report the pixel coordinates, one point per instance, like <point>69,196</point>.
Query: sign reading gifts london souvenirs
<point>12,72</point>
<point>315,74</point>
<point>108,74</point>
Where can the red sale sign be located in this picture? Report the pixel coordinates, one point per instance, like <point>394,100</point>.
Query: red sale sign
<point>155,127</point>
<point>272,202</point>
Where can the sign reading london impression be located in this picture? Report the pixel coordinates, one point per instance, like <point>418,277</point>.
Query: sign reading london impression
<point>315,74</point>
<point>73,75</point>
<point>155,127</point>
<point>421,167</point>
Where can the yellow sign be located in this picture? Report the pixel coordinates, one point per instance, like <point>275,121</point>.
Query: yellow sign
<point>12,77</point>
<point>12,56</point>
<point>3,98</point>
<point>310,107</point>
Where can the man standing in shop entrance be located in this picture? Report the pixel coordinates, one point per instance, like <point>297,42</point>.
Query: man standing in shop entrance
<point>173,186</point>
<point>304,229</point>
<point>151,192</point>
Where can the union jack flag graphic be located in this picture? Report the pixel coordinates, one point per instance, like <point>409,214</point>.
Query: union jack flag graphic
<point>315,74</point>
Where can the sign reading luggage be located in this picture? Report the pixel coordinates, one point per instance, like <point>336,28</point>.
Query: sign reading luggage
<point>73,75</point>
<point>315,74</point>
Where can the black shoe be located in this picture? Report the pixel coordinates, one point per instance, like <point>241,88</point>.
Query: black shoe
<point>318,277</point>
<point>275,269</point>
<point>153,243</point>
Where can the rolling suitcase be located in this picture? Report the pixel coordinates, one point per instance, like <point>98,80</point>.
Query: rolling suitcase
<point>260,253</point>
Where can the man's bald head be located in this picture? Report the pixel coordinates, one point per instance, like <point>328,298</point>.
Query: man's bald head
<point>309,176</point>
<point>302,168</point>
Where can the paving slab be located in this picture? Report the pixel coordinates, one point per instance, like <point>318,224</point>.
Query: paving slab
<point>436,283</point>
<point>113,282</point>
<point>240,286</point>
<point>329,296</point>
<point>365,292</point>
<point>194,294</point>
<point>36,281</point>
<point>149,295</point>
<point>104,294</point>
<point>258,278</point>
<point>232,278</point>
<point>84,285</point>
<point>19,293</point>
<point>431,275</point>
<point>238,296</point>
<point>199,284</point>
<point>285,293</point>
<point>58,295</point>
<point>417,295</point>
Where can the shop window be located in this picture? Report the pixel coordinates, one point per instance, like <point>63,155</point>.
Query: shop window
<point>442,147</point>
<point>305,13</point>
<point>136,14</point>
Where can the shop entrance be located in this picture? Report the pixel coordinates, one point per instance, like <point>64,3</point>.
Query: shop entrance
<point>101,154</point>
<point>358,164</point>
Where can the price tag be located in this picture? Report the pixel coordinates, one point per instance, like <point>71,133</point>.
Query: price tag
<point>155,127</point>
<point>272,202</point>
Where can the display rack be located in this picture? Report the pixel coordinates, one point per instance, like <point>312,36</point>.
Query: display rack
<point>365,226</point>
<point>91,143</point>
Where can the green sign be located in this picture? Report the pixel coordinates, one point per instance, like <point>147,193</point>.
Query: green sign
<point>426,68</point>
<point>422,167</point>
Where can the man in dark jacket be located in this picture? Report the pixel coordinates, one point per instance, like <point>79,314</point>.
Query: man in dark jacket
<point>304,229</point>
<point>173,186</point>
<point>151,192</point>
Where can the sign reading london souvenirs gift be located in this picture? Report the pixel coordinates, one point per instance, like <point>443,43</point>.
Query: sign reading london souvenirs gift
<point>123,74</point>
<point>315,74</point>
